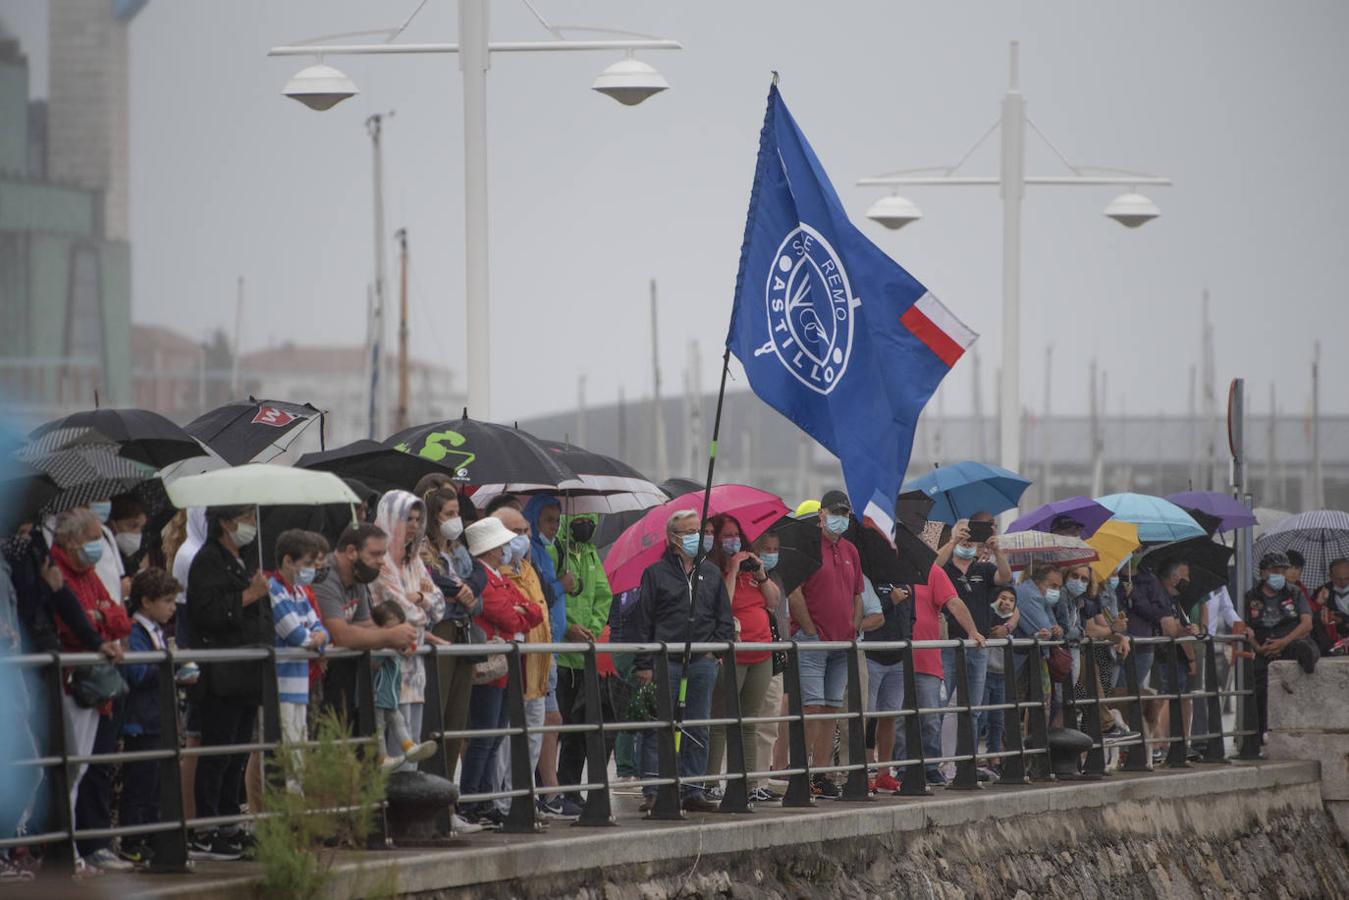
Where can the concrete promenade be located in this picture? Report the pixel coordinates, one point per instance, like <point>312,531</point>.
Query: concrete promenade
<point>562,852</point>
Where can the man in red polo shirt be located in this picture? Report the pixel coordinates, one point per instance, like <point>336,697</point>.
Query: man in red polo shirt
<point>928,602</point>
<point>828,607</point>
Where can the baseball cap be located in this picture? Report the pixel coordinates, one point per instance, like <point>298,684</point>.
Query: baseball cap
<point>833,500</point>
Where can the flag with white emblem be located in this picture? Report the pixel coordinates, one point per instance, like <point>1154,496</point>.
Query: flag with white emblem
<point>833,333</point>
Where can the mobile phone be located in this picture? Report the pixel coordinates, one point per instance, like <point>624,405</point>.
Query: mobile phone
<point>981,531</point>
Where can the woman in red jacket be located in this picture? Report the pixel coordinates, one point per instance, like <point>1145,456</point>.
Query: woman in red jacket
<point>78,545</point>
<point>753,596</point>
<point>506,614</point>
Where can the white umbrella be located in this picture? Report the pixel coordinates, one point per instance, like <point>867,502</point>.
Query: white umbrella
<point>259,484</point>
<point>1025,548</point>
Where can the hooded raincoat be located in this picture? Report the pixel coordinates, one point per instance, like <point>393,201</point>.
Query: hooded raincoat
<point>589,606</point>
<point>402,578</point>
<point>541,555</point>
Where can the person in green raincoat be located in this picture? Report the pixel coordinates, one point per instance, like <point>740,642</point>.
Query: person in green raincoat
<point>588,600</point>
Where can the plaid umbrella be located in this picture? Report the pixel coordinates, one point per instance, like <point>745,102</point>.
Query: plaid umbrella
<point>86,473</point>
<point>1025,548</point>
<point>1321,536</point>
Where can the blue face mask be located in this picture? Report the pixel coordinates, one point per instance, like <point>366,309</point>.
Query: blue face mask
<point>689,543</point>
<point>1076,587</point>
<point>730,546</point>
<point>305,576</point>
<point>102,509</point>
<point>1113,582</point>
<point>1276,581</point>
<point>836,524</point>
<point>519,547</point>
<point>1052,595</point>
<point>708,541</point>
<point>93,552</point>
<point>963,552</point>
<point>769,560</point>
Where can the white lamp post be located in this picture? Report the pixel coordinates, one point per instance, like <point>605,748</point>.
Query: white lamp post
<point>1130,209</point>
<point>628,81</point>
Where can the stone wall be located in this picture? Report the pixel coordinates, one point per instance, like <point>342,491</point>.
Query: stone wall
<point>1309,719</point>
<point>1267,843</point>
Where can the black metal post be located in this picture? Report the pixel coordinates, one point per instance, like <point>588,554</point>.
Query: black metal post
<point>913,778</point>
<point>1250,711</point>
<point>1014,752</point>
<point>798,785</point>
<point>668,796</point>
<point>1177,750</point>
<point>521,816</point>
<point>1139,757</point>
<point>379,838</point>
<point>1215,746</point>
<point>169,848</point>
<point>271,718</point>
<point>735,799</point>
<point>1094,764</point>
<point>1040,768</point>
<point>856,787</point>
<point>597,810</point>
<point>60,855</point>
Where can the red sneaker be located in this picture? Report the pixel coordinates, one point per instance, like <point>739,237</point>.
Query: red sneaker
<point>887,782</point>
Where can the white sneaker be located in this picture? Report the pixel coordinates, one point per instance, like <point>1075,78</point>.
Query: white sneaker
<point>392,763</point>
<point>107,861</point>
<point>415,753</point>
<point>460,825</point>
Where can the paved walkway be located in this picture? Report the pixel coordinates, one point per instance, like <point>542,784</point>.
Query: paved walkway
<point>562,847</point>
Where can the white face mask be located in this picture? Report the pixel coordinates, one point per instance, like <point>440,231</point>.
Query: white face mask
<point>451,528</point>
<point>244,534</point>
<point>128,542</point>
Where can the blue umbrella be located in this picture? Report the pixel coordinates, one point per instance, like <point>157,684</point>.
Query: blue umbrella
<point>1083,510</point>
<point>961,490</point>
<point>1158,520</point>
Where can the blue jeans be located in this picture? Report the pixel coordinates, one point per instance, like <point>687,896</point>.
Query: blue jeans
<point>1143,661</point>
<point>693,745</point>
<point>486,709</point>
<point>976,668</point>
<point>995,691</point>
<point>928,692</point>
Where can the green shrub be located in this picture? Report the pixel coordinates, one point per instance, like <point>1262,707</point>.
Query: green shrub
<point>333,809</point>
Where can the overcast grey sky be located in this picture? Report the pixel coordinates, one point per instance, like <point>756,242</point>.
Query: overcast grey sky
<point>1244,104</point>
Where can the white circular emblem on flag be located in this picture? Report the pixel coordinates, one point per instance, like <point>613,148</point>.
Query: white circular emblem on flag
<point>810,309</point>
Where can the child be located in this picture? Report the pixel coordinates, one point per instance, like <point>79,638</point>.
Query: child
<point>297,625</point>
<point>154,593</point>
<point>388,682</point>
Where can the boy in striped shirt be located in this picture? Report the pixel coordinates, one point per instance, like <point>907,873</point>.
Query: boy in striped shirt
<point>297,625</point>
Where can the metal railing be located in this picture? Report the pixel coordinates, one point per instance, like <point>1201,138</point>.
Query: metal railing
<point>1025,756</point>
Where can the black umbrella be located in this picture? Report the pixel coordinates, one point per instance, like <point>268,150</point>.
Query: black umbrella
<point>1207,561</point>
<point>24,490</point>
<point>912,508</point>
<point>143,436</point>
<point>907,561</point>
<point>378,466</point>
<point>678,487</point>
<point>252,430</point>
<point>1210,523</point>
<point>800,554</point>
<point>483,452</point>
<point>86,473</point>
<point>606,472</point>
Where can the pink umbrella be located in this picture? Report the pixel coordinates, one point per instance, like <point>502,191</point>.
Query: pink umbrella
<point>644,542</point>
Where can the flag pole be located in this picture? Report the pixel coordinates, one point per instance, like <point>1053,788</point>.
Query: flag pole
<point>682,698</point>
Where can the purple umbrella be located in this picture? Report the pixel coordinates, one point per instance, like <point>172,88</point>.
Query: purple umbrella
<point>1232,513</point>
<point>1084,510</point>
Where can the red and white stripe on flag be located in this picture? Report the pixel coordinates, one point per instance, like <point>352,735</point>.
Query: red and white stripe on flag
<point>938,328</point>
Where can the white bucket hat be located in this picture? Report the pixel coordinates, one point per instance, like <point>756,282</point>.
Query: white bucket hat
<point>487,534</point>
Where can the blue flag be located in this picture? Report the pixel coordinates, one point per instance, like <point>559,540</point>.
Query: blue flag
<point>833,333</point>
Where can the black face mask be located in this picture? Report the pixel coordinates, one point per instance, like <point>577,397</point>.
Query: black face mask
<point>1182,585</point>
<point>363,572</point>
<point>582,530</point>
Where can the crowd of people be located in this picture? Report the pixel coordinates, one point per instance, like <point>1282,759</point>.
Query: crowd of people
<point>427,567</point>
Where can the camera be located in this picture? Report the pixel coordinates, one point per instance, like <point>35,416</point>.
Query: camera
<point>749,565</point>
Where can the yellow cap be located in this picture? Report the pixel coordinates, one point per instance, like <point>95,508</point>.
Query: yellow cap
<point>807,508</point>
